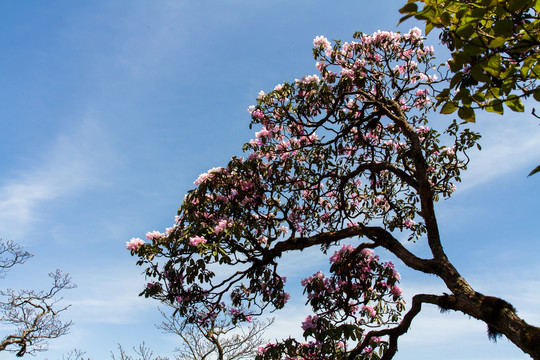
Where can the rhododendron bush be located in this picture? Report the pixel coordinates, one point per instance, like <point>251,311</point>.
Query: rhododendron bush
<point>344,160</point>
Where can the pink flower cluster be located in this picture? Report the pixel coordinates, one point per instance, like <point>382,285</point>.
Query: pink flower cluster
<point>321,41</point>
<point>205,176</point>
<point>154,235</point>
<point>196,240</point>
<point>408,223</point>
<point>134,244</point>
<point>222,225</point>
<point>358,280</point>
<point>310,322</point>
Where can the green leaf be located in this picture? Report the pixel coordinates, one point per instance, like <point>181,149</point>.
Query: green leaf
<point>514,103</point>
<point>462,95</point>
<point>467,114</point>
<point>449,108</point>
<point>461,13</point>
<point>535,72</point>
<point>516,5</point>
<point>456,79</point>
<point>508,85</point>
<point>479,97</point>
<point>497,42</point>
<point>446,19</point>
<point>493,65</point>
<point>429,27</point>
<point>504,28</point>
<point>478,74</point>
<point>489,3</point>
<point>443,94</point>
<point>495,106</point>
<point>465,31</point>
<point>409,8</point>
<point>479,12</point>
<point>428,13</point>
<point>536,170</point>
<point>405,18</point>
<point>493,93</point>
<point>536,94</point>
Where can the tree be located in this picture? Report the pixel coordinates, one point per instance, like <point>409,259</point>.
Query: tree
<point>220,339</point>
<point>344,155</point>
<point>33,314</point>
<point>142,352</point>
<point>495,48</point>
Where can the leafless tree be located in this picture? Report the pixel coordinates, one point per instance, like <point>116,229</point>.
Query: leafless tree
<point>75,354</point>
<point>33,315</point>
<point>221,340</point>
<point>11,254</point>
<point>143,353</point>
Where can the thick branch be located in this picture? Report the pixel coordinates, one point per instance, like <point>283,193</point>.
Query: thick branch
<point>380,236</point>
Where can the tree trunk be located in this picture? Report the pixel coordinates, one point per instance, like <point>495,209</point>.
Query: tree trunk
<point>499,315</point>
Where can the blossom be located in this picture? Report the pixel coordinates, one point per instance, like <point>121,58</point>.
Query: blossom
<point>408,223</point>
<point>413,34</point>
<point>154,235</point>
<point>310,322</point>
<point>196,240</point>
<point>396,290</point>
<point>370,310</point>
<point>134,243</point>
<point>321,40</point>
<point>222,225</point>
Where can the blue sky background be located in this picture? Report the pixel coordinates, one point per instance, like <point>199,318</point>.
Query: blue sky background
<point>111,109</point>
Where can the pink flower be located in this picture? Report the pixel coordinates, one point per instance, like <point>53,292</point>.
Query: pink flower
<point>371,311</point>
<point>396,290</point>
<point>134,243</point>
<point>202,178</point>
<point>408,223</point>
<point>310,322</point>
<point>222,225</point>
<point>196,240</point>
<point>321,40</point>
<point>154,235</point>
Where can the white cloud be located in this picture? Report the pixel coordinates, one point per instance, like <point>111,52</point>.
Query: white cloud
<point>509,144</point>
<point>74,162</point>
<point>109,296</point>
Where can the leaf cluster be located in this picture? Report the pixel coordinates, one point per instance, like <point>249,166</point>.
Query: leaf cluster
<point>495,48</point>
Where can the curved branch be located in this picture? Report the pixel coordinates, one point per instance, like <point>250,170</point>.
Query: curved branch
<point>396,332</point>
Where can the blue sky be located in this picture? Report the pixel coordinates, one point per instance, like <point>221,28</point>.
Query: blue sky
<point>111,109</point>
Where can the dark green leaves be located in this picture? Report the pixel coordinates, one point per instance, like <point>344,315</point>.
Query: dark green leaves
<point>536,170</point>
<point>467,114</point>
<point>493,46</point>
<point>449,108</point>
<point>504,28</point>
<point>515,103</point>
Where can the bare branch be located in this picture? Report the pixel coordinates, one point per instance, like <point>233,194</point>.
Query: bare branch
<point>11,254</point>
<point>34,315</point>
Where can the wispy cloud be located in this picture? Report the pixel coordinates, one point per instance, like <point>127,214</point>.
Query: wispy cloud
<point>509,144</point>
<point>74,162</point>
<point>109,296</point>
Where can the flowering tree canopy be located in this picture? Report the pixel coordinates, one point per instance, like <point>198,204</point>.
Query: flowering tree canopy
<point>342,155</point>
